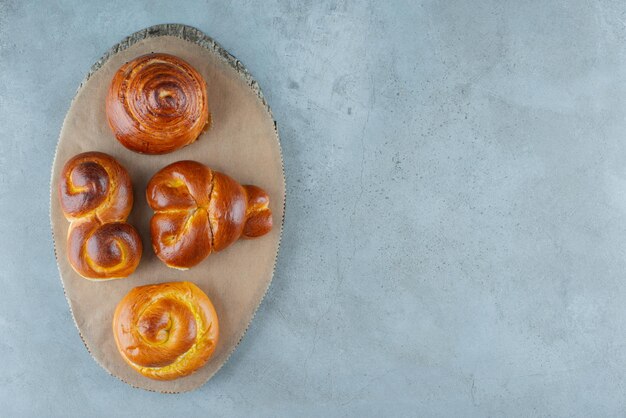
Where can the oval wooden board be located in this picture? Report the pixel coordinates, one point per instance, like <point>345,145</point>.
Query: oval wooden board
<point>242,143</point>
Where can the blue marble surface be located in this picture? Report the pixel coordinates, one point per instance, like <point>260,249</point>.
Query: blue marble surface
<point>455,235</point>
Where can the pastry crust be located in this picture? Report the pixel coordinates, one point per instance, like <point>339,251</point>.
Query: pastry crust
<point>96,196</point>
<point>198,211</point>
<point>166,331</point>
<point>156,104</point>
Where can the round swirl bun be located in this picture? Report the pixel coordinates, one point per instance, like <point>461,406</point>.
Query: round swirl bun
<point>157,103</point>
<point>166,331</point>
<point>199,211</point>
<point>96,197</point>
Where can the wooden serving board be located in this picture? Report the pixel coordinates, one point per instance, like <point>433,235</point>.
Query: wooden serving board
<point>242,142</point>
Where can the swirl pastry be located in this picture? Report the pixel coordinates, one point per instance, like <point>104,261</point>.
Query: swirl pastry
<point>157,103</point>
<point>199,211</point>
<point>96,197</point>
<point>166,331</point>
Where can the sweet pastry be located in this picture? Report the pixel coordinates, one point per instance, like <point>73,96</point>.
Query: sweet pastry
<point>157,103</point>
<point>198,211</point>
<point>166,331</point>
<point>96,196</point>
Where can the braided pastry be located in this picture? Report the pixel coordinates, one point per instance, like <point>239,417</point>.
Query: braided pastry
<point>166,331</point>
<point>199,211</point>
<point>157,103</point>
<point>96,197</point>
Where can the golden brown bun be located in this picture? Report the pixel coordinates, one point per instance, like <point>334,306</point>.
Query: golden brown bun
<point>96,197</point>
<point>157,103</point>
<point>166,331</point>
<point>199,211</point>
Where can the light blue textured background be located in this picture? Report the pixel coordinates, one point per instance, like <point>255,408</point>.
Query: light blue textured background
<point>455,239</point>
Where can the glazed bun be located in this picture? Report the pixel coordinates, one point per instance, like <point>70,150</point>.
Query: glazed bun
<point>96,196</point>
<point>166,331</point>
<point>199,211</point>
<point>156,104</point>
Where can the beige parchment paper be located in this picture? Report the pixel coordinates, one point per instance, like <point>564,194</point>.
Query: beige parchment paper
<point>242,143</point>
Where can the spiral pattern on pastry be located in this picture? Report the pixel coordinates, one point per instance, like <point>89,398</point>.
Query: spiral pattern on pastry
<point>96,196</point>
<point>199,211</point>
<point>157,103</point>
<point>166,331</point>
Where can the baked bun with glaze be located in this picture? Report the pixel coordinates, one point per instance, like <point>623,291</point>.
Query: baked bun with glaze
<point>199,211</point>
<point>166,331</point>
<point>96,196</point>
<point>156,104</point>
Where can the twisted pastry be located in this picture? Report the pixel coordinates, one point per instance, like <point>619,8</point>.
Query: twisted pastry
<point>166,331</point>
<point>96,197</point>
<point>157,103</point>
<point>199,211</point>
